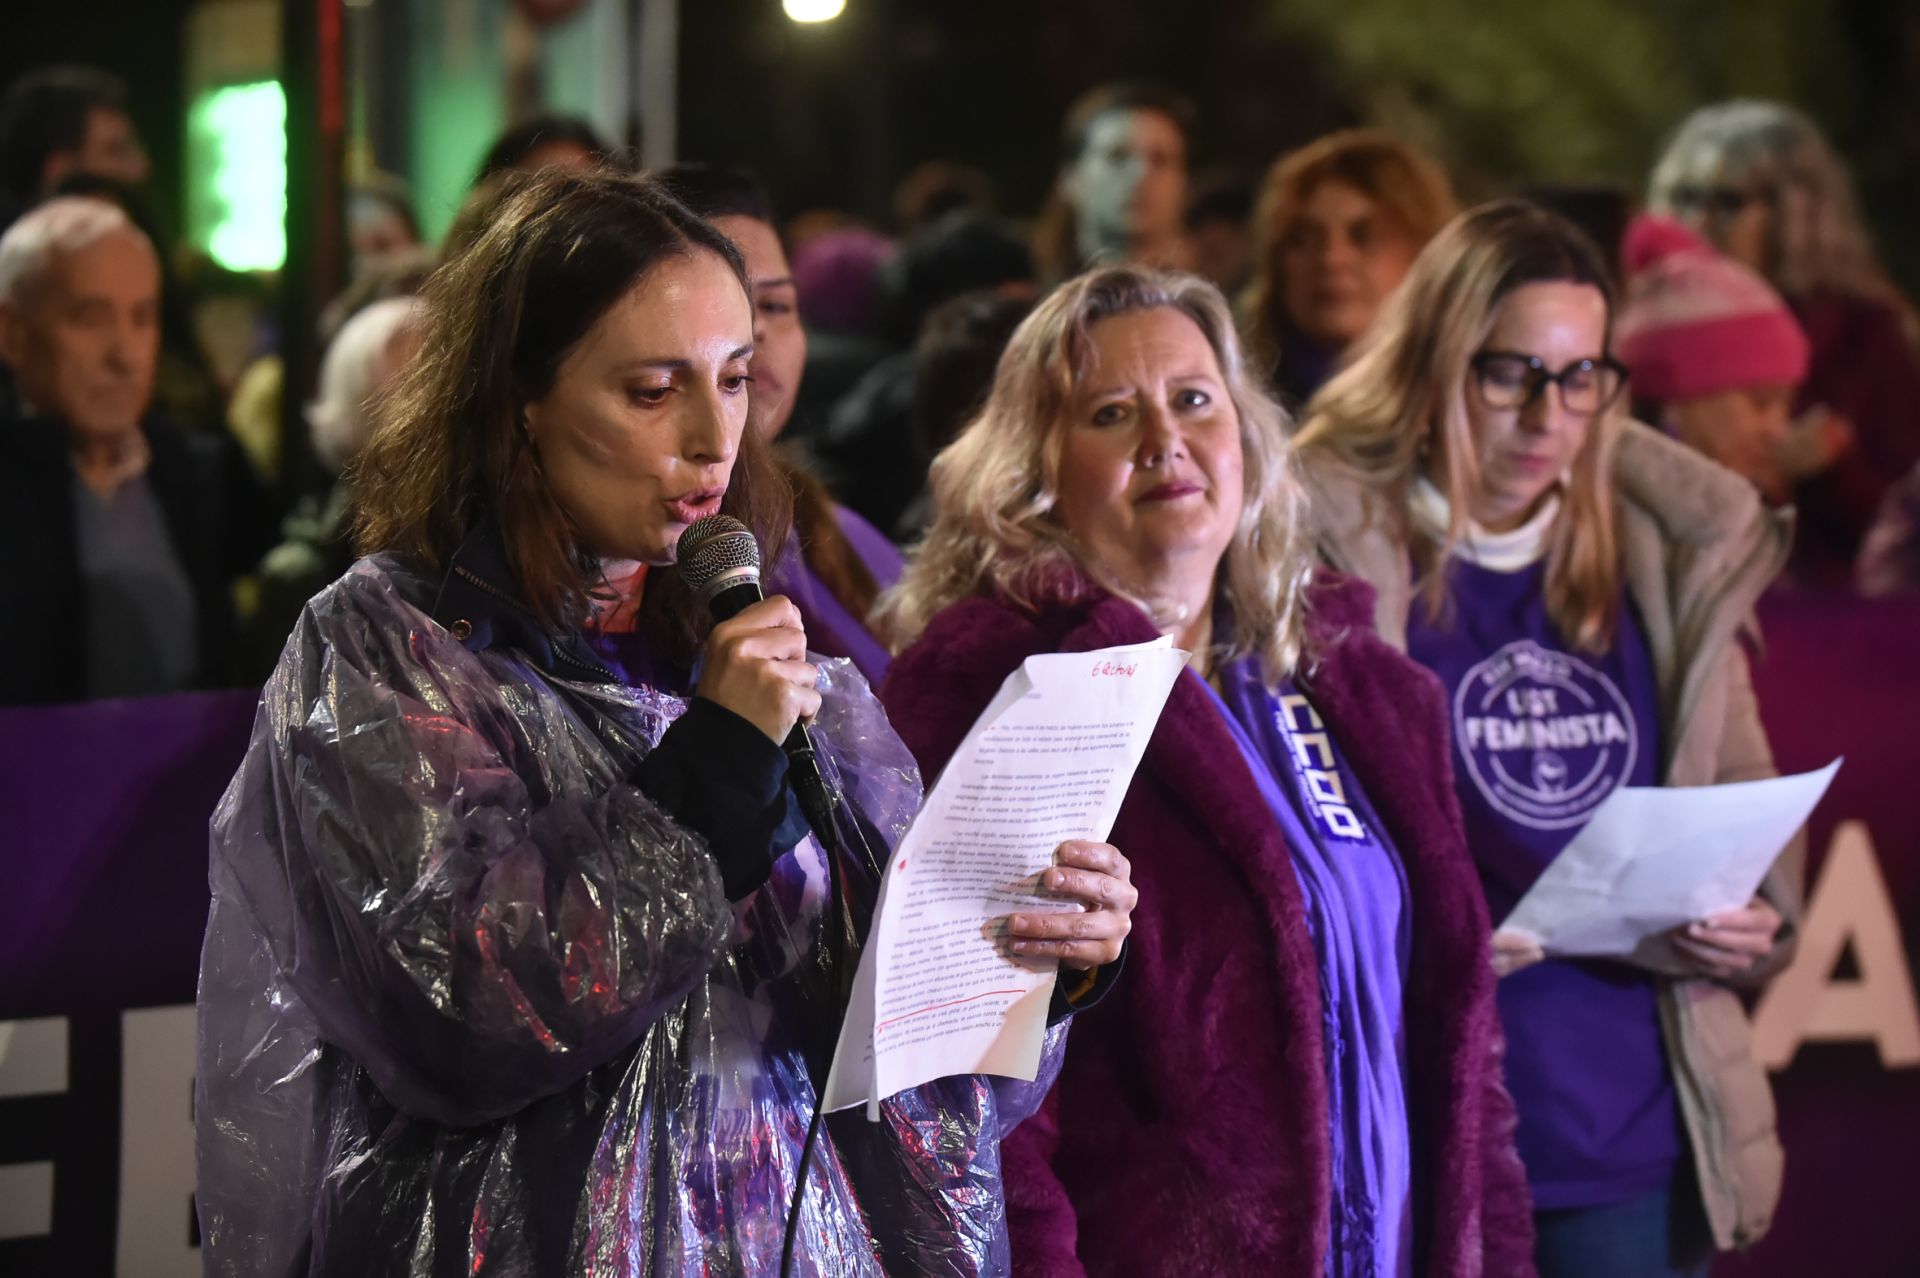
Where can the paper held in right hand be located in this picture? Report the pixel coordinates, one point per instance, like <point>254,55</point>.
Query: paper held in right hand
<point>1654,858</point>
<point>937,992</point>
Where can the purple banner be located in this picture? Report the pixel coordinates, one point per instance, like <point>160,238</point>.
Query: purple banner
<point>1840,1028</point>
<point>103,901</point>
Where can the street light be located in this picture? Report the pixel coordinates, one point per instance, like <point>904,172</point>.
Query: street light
<point>814,10</point>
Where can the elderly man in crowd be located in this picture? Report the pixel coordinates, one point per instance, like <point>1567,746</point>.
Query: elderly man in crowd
<point>119,535</point>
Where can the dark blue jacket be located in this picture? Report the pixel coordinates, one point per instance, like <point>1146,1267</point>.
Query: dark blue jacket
<point>217,513</point>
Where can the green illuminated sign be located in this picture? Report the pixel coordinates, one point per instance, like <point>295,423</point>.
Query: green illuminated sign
<point>238,137</point>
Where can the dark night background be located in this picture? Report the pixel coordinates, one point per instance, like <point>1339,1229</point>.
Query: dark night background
<point>1503,91</point>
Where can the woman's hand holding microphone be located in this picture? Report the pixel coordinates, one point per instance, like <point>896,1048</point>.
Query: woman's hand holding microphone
<point>756,666</point>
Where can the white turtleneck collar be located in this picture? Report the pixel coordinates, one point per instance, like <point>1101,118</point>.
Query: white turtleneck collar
<point>1498,552</point>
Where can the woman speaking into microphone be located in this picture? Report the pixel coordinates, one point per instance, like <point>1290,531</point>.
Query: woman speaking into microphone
<point>516,963</point>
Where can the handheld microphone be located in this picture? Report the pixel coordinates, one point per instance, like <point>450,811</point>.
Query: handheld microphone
<point>719,560</point>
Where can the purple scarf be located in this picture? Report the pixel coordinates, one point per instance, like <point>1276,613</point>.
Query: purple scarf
<point>1357,910</point>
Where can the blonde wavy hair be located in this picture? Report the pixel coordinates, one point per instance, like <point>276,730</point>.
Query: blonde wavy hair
<point>997,485</point>
<point>1400,405</point>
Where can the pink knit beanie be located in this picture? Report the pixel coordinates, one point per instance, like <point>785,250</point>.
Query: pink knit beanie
<point>1696,323</point>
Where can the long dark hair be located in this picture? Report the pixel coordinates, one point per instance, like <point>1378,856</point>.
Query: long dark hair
<point>450,446</point>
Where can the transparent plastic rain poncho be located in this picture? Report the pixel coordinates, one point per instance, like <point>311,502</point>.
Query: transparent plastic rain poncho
<point>470,1003</point>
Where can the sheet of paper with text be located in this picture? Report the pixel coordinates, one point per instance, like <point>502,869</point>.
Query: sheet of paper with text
<point>937,991</point>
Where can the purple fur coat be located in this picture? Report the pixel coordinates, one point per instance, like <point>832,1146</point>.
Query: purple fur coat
<point>1188,1132</point>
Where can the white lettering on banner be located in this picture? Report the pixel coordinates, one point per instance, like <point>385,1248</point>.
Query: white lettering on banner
<point>33,1056</point>
<point>156,1145</point>
<point>33,1062</point>
<point>26,1200</point>
<point>1850,905</point>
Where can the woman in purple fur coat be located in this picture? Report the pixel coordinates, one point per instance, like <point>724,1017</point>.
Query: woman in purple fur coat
<point>1299,1073</point>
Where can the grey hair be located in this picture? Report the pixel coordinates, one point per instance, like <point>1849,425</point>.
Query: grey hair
<point>342,416</point>
<point>65,224</point>
<point>1820,243</point>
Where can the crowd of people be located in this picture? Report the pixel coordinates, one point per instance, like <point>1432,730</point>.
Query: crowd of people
<point>1463,514</point>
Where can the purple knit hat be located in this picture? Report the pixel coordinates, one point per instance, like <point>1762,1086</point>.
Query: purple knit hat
<point>1695,323</point>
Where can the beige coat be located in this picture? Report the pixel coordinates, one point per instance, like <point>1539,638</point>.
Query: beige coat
<point>1698,549</point>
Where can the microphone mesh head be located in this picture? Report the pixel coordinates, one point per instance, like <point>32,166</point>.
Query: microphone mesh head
<point>715,552</point>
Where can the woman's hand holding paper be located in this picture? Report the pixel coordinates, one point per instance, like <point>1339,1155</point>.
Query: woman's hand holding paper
<point>1096,875</point>
<point>1726,945</point>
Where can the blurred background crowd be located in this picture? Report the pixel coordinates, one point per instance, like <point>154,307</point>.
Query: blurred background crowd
<point>260,190</point>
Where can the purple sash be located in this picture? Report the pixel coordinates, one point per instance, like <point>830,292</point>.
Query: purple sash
<point>1356,897</point>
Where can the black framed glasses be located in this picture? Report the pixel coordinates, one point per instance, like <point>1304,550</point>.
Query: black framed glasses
<point>1510,379</point>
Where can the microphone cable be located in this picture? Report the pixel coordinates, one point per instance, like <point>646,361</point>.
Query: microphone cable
<point>831,925</point>
<point>719,558</point>
<point>841,945</point>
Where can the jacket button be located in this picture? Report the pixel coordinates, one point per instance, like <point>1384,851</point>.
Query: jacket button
<point>461,629</point>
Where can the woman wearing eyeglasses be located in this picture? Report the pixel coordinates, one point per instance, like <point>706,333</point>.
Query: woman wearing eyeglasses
<point>1760,183</point>
<point>1581,585</point>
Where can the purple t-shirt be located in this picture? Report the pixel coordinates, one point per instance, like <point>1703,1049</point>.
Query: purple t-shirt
<point>1354,889</point>
<point>1541,734</point>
